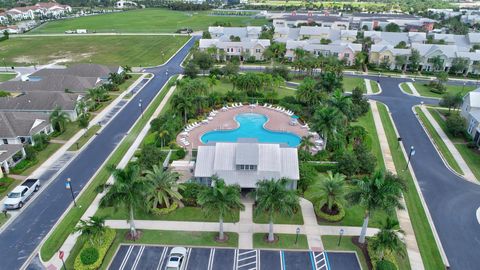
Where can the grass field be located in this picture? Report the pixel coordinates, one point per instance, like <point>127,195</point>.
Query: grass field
<point>439,142</point>
<point>107,50</point>
<point>471,156</point>
<point>6,76</point>
<point>424,90</point>
<point>349,83</point>
<point>153,21</point>
<point>405,88</point>
<point>285,241</point>
<point>423,233</point>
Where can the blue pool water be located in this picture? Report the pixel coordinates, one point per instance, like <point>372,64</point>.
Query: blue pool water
<point>251,126</point>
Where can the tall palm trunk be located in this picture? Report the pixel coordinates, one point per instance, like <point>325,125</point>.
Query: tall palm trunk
<point>221,234</point>
<point>363,232</point>
<point>133,230</point>
<point>270,230</point>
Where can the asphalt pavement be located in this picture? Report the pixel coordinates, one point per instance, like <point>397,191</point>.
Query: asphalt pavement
<point>22,237</point>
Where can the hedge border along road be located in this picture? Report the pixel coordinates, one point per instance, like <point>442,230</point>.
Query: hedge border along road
<point>431,257</point>
<point>60,233</point>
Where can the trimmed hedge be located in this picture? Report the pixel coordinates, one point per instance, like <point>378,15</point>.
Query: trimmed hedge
<point>164,211</point>
<point>325,167</point>
<point>330,218</point>
<point>386,257</point>
<point>386,265</point>
<point>89,255</point>
<point>108,238</point>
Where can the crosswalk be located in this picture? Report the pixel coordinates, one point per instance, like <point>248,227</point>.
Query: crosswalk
<point>320,260</point>
<point>247,259</point>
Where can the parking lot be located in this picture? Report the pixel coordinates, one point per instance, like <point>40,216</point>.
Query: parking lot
<point>155,257</point>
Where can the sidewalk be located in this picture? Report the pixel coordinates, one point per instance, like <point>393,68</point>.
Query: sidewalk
<point>55,262</point>
<point>413,89</point>
<point>467,173</point>
<point>413,251</point>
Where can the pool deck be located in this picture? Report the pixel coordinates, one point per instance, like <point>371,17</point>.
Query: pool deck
<point>277,121</point>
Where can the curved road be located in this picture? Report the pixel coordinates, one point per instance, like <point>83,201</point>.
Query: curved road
<point>452,201</point>
<point>21,238</point>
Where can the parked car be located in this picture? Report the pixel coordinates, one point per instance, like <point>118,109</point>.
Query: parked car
<point>176,259</point>
<point>81,31</point>
<point>69,32</point>
<point>19,195</point>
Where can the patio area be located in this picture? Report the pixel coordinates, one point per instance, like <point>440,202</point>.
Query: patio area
<point>279,119</point>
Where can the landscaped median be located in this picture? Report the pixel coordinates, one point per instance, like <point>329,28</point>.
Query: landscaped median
<point>375,87</point>
<point>405,88</point>
<point>426,241</point>
<point>69,221</point>
<point>425,90</point>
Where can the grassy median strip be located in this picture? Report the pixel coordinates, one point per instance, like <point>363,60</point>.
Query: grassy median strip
<point>426,241</point>
<point>85,137</point>
<point>442,147</point>
<point>65,227</point>
<point>375,86</point>
<point>285,241</point>
<point>405,88</point>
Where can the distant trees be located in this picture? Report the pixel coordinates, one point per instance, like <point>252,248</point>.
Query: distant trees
<point>415,60</point>
<point>392,27</point>
<point>451,101</point>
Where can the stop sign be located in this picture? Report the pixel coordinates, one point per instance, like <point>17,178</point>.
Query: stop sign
<point>60,255</point>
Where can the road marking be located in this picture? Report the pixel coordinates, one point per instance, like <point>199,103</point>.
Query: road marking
<point>319,260</point>
<point>282,259</point>
<point>187,258</point>
<point>247,258</point>
<point>137,259</point>
<point>478,215</point>
<point>210,259</point>
<point>125,259</point>
<point>162,258</point>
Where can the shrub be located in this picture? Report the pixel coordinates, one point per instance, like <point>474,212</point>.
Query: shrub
<point>165,210</point>
<point>386,265</point>
<point>22,166</point>
<point>325,167</point>
<point>331,218</point>
<point>102,249</point>
<point>374,258</point>
<point>179,154</point>
<point>455,124</point>
<point>307,175</point>
<point>191,192</point>
<point>348,164</point>
<point>89,255</point>
<point>366,160</point>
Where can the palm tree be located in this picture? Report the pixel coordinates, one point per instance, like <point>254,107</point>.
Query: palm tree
<point>326,121</point>
<point>273,197</point>
<point>307,92</point>
<point>380,191</point>
<point>162,135</point>
<point>182,103</point>
<point>387,239</point>
<point>212,81</point>
<point>306,143</point>
<point>165,188</point>
<point>220,199</point>
<point>59,119</point>
<point>97,94</point>
<point>330,191</point>
<point>341,102</point>
<point>128,190</point>
<point>92,229</point>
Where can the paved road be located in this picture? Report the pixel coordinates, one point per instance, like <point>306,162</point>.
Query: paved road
<point>451,200</point>
<point>20,239</point>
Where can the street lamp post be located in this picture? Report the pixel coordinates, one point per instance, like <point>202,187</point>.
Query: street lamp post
<point>140,106</point>
<point>410,155</point>
<point>296,237</point>
<point>340,238</point>
<point>68,186</point>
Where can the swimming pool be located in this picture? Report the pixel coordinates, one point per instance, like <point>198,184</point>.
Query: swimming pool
<point>251,126</point>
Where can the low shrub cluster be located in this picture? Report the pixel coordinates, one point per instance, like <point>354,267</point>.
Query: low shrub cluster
<point>86,259</point>
<point>164,210</point>
<point>331,218</point>
<point>378,263</point>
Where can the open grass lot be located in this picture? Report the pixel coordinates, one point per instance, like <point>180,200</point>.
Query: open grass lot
<point>349,83</point>
<point>285,241</point>
<point>107,50</point>
<point>153,21</point>
<point>424,90</point>
<point>6,76</point>
<point>439,142</point>
<point>71,218</point>
<point>423,233</point>
<point>471,156</point>
<point>180,214</point>
<point>42,156</point>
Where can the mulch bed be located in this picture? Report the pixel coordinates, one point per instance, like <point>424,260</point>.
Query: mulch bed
<point>363,247</point>
<point>225,238</point>
<point>275,239</point>
<point>129,237</point>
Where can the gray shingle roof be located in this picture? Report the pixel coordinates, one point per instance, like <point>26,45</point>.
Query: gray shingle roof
<point>80,70</point>
<point>15,124</point>
<point>39,101</point>
<point>8,150</point>
<point>55,83</point>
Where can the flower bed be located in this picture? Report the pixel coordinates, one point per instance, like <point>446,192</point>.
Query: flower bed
<point>87,252</point>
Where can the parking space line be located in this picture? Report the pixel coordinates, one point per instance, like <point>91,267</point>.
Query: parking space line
<point>137,259</point>
<point>235,261</point>
<point>249,264</point>
<point>282,259</point>
<point>187,259</point>
<point>125,259</point>
<point>162,258</point>
<point>246,258</point>
<point>258,259</point>
<point>210,259</point>
<point>326,260</point>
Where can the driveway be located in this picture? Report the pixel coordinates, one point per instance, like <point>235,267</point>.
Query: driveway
<point>22,237</point>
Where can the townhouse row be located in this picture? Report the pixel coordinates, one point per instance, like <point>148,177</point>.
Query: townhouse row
<point>39,10</point>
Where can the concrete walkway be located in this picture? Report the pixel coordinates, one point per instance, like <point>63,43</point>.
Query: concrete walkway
<point>368,86</point>
<point>413,89</point>
<point>467,173</point>
<point>55,262</point>
<point>413,251</point>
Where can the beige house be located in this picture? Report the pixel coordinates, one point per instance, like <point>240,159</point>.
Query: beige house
<point>225,50</point>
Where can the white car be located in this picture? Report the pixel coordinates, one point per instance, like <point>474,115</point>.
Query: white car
<point>20,194</point>
<point>176,259</point>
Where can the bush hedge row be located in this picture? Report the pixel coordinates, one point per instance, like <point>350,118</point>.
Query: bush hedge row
<point>330,218</point>
<point>375,259</point>
<point>107,240</point>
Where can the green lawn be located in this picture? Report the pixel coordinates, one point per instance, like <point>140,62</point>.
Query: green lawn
<point>296,218</point>
<point>424,90</point>
<point>65,227</point>
<point>108,50</point>
<point>439,142</point>
<point>3,218</point>
<point>124,86</point>
<point>152,20</point>
<point>180,214</point>
<point>471,156</point>
<point>71,128</point>
<point>349,83</point>
<point>42,156</point>
<point>371,140</point>
<point>84,139</point>
<point>224,86</point>
<point>423,233</point>
<point>285,241</point>
<point>6,76</point>
<point>405,88</point>
<point>6,185</point>
<point>330,242</point>
<point>375,86</point>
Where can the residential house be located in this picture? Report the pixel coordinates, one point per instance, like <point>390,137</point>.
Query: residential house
<point>386,55</point>
<point>224,50</point>
<point>343,51</point>
<point>246,162</point>
<point>10,155</point>
<point>21,13</point>
<point>470,111</point>
<point>125,4</point>
<point>81,70</point>
<point>3,18</point>
<point>20,127</point>
<point>41,102</point>
<point>430,51</point>
<point>315,32</point>
<point>244,33</point>
<point>53,83</point>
